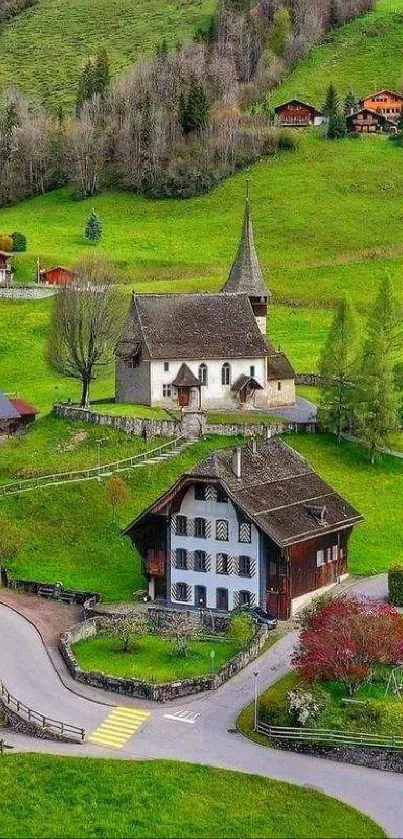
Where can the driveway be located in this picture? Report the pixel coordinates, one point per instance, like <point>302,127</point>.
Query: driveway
<point>28,671</point>
<point>303,411</point>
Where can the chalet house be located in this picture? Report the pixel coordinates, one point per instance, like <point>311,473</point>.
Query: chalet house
<point>59,275</point>
<point>296,113</point>
<point>6,273</point>
<point>385,102</point>
<point>255,526</point>
<point>15,414</point>
<point>205,350</point>
<point>366,121</point>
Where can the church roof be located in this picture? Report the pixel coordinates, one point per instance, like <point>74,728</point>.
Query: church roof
<point>192,326</point>
<point>185,378</point>
<point>279,367</point>
<point>277,489</point>
<point>246,276</point>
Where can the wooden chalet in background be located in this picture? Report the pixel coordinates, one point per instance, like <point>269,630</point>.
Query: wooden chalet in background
<point>366,121</point>
<point>249,526</point>
<point>59,275</point>
<point>385,102</point>
<point>15,414</point>
<point>295,113</point>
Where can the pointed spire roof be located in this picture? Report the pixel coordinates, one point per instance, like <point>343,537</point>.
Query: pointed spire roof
<point>246,275</point>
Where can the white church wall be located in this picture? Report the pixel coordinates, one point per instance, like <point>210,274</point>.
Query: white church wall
<point>215,394</point>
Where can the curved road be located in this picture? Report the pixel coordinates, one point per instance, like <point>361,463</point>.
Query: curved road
<point>29,673</point>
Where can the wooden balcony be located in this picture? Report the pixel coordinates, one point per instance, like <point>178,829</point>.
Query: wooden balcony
<point>155,564</point>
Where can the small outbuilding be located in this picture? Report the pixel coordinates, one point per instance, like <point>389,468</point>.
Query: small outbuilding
<point>15,414</point>
<point>59,275</point>
<point>6,272</point>
<point>295,114</point>
<point>366,121</point>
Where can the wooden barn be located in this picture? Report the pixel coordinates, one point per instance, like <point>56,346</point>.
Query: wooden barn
<point>15,414</point>
<point>59,275</point>
<point>366,121</point>
<point>255,526</point>
<point>296,114</point>
<point>386,102</point>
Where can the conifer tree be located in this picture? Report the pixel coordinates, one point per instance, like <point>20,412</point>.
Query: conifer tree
<point>350,103</point>
<point>337,368</point>
<point>93,227</point>
<point>337,127</point>
<point>331,103</point>
<point>194,109</point>
<point>94,79</point>
<point>377,400</point>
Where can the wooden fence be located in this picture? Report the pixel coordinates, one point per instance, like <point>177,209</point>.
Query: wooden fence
<point>330,737</point>
<point>64,730</point>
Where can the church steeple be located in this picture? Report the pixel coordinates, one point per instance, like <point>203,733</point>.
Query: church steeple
<point>246,276</point>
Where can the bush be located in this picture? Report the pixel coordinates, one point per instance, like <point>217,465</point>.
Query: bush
<point>287,141</point>
<point>182,183</point>
<point>395,584</point>
<point>6,242</point>
<point>19,241</point>
<point>303,706</point>
<point>273,705</point>
<point>368,715</point>
<point>241,628</point>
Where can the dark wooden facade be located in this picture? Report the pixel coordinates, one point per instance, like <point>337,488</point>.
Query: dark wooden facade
<point>296,113</point>
<point>57,275</point>
<point>367,121</point>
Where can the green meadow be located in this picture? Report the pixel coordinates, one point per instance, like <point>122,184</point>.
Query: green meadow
<point>365,55</point>
<point>162,800</point>
<point>43,49</point>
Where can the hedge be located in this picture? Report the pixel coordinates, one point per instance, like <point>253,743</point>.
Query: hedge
<point>395,582</point>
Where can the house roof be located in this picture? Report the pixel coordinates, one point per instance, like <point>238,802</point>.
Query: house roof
<point>7,409</point>
<point>384,90</point>
<point>376,114</point>
<point>192,326</point>
<point>279,367</point>
<point>299,102</point>
<point>244,380</point>
<point>24,408</point>
<point>185,378</point>
<point>57,268</point>
<point>278,490</point>
<point>246,276</point>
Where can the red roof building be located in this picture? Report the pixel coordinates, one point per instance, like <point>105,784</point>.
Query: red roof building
<point>59,275</point>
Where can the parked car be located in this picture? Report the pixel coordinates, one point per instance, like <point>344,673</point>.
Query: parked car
<point>260,616</point>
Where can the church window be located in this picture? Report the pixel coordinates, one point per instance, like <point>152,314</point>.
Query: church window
<point>252,370</point>
<point>203,374</point>
<point>167,391</point>
<point>166,366</point>
<point>226,374</point>
<point>278,385</point>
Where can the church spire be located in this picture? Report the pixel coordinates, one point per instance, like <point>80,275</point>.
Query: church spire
<point>246,275</point>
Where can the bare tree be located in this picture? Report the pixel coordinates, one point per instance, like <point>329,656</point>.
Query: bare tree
<point>86,321</point>
<point>181,628</point>
<point>129,629</point>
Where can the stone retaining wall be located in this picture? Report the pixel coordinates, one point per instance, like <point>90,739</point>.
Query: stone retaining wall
<point>27,292</point>
<point>130,425</point>
<point>147,690</point>
<point>54,591</point>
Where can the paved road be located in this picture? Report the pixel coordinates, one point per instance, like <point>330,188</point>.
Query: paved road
<point>28,670</point>
<point>302,411</point>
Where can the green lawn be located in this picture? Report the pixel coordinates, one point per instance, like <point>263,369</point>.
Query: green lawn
<point>68,535</point>
<point>309,392</point>
<point>313,243</point>
<point>42,50</point>
<point>376,491</point>
<point>53,445</point>
<point>88,799</point>
<point>362,55</point>
<point>240,418</point>
<point>154,659</point>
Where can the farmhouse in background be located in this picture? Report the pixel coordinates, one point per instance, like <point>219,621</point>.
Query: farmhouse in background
<point>6,272</point>
<point>366,121</point>
<point>251,526</point>
<point>385,102</point>
<point>59,275</point>
<point>205,350</point>
<point>15,414</point>
<point>296,113</point>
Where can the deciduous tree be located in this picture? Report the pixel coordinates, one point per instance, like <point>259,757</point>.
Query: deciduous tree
<point>180,629</point>
<point>86,322</point>
<point>129,629</point>
<point>117,493</point>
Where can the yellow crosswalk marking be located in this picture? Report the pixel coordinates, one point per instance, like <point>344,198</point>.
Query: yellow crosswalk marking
<point>120,724</point>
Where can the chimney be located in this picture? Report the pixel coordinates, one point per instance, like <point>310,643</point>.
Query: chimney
<point>237,462</point>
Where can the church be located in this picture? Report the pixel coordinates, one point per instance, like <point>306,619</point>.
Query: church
<point>205,351</point>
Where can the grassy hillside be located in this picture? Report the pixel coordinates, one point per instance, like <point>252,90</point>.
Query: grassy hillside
<point>148,799</point>
<point>328,218</point>
<point>42,50</point>
<point>365,55</point>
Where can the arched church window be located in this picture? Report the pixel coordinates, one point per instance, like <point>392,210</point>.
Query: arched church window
<point>226,374</point>
<point>203,374</point>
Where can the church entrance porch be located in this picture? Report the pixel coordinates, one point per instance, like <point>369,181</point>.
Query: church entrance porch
<point>183,397</point>
<point>244,389</point>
